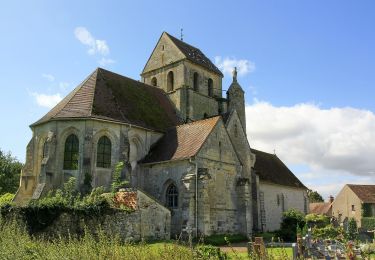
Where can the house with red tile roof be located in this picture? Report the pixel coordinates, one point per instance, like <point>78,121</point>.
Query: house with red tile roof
<point>355,201</point>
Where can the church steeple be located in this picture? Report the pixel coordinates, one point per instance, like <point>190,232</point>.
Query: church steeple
<point>236,99</point>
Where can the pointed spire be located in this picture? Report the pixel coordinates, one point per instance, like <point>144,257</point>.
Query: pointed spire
<point>234,73</point>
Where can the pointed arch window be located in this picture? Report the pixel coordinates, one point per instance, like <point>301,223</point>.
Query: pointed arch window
<point>103,153</point>
<point>210,87</point>
<point>195,81</point>
<point>45,149</point>
<point>71,153</point>
<point>170,81</point>
<point>172,196</point>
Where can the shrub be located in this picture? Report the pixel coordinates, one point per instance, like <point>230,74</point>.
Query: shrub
<point>117,181</point>
<point>292,219</point>
<point>209,252</point>
<point>352,232</point>
<point>6,199</point>
<point>327,232</point>
<point>368,223</point>
<point>316,220</point>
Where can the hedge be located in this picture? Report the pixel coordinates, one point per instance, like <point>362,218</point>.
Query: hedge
<point>368,223</point>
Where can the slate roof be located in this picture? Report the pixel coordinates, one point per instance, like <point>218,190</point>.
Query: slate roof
<point>195,55</point>
<point>181,142</point>
<point>110,96</point>
<point>271,169</point>
<point>366,193</point>
<point>321,208</point>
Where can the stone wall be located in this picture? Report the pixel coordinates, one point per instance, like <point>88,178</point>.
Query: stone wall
<point>278,199</point>
<point>150,220</point>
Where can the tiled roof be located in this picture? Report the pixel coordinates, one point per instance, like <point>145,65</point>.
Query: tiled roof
<point>271,169</point>
<point>110,96</point>
<point>195,55</point>
<point>366,193</point>
<point>183,141</point>
<point>320,208</point>
<point>126,198</point>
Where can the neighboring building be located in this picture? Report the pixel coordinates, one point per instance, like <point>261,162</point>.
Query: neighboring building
<point>278,191</point>
<point>322,208</point>
<point>351,201</point>
<point>180,140</point>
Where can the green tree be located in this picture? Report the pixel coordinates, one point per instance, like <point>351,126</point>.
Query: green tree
<point>10,170</point>
<point>314,196</point>
<point>352,232</point>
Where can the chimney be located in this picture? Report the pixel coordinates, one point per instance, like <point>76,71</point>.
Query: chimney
<point>331,198</point>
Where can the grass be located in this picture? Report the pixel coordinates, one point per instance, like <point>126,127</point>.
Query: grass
<point>277,253</point>
<point>219,240</point>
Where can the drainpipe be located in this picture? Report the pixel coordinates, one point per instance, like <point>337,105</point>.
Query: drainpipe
<point>196,195</point>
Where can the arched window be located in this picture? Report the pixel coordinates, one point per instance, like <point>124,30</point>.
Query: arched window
<point>195,81</point>
<point>170,81</point>
<point>172,196</point>
<point>210,87</point>
<point>71,153</point>
<point>103,153</point>
<point>235,130</point>
<point>45,149</point>
<point>154,82</point>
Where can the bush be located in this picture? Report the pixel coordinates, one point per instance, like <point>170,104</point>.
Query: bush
<point>209,252</point>
<point>224,239</point>
<point>316,220</point>
<point>6,199</point>
<point>368,223</point>
<point>352,232</point>
<point>292,219</point>
<point>327,232</point>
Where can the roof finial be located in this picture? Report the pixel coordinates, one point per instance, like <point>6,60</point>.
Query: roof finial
<point>182,35</point>
<point>234,73</point>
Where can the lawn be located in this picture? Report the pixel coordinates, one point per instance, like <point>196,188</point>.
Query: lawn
<point>272,253</point>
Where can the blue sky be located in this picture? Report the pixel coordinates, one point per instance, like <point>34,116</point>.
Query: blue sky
<point>308,69</point>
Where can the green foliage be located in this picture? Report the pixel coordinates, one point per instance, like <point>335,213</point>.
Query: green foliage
<point>368,223</point>
<point>210,252</point>
<point>219,240</point>
<point>317,220</point>
<point>314,196</point>
<point>267,236</point>
<point>292,219</point>
<point>15,243</point>
<point>327,232</point>
<point>352,232</point>
<point>6,199</point>
<point>117,182</point>
<point>10,170</point>
<point>366,210</point>
<point>41,213</point>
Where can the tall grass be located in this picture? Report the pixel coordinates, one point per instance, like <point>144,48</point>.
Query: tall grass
<point>15,243</point>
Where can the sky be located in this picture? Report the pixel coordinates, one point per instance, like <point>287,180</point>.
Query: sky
<point>307,68</point>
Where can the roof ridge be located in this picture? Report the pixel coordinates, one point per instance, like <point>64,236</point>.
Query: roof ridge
<point>198,121</point>
<point>65,101</point>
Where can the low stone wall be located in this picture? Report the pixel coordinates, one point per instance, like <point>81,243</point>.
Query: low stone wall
<point>149,220</point>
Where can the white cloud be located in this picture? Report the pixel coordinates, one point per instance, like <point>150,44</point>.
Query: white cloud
<point>48,77</point>
<point>339,139</point>
<point>45,100</point>
<point>226,65</point>
<point>95,46</point>
<point>104,62</point>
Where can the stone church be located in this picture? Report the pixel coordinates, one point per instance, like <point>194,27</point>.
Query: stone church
<point>183,144</point>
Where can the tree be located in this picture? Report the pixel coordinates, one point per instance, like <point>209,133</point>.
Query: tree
<point>292,219</point>
<point>314,196</point>
<point>10,170</point>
